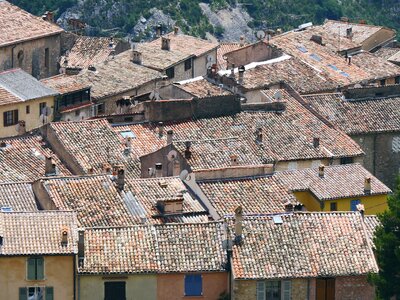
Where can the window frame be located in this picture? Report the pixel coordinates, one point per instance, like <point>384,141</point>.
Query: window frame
<point>36,276</point>
<point>48,292</point>
<point>186,288</point>
<point>170,72</point>
<point>188,64</point>
<point>354,203</point>
<point>284,289</point>
<point>27,109</point>
<point>14,118</point>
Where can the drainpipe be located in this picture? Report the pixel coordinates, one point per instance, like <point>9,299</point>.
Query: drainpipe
<point>374,156</point>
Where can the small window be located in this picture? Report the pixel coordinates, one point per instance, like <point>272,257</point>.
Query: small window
<point>36,293</point>
<point>193,285</point>
<point>353,204</point>
<point>397,80</point>
<point>77,113</point>
<point>114,290</point>
<point>170,72</point>
<point>35,268</point>
<point>20,57</point>
<point>333,206</point>
<point>28,109</point>
<point>41,106</point>
<point>101,108</point>
<point>346,160</point>
<point>10,117</point>
<point>188,64</point>
<point>382,82</point>
<point>274,290</point>
<point>46,58</point>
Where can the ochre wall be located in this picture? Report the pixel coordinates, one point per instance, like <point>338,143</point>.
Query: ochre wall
<point>58,272</point>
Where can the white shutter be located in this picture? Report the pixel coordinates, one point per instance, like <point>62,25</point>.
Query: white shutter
<point>260,290</point>
<point>287,290</point>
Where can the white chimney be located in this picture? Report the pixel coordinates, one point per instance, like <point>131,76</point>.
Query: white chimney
<point>159,170</point>
<point>238,225</point>
<point>170,136</point>
<point>241,74</point>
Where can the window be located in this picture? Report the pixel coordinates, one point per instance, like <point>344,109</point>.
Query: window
<point>170,72</point>
<point>46,58</point>
<point>36,293</point>
<point>115,290</point>
<point>101,108</point>
<point>20,57</point>
<point>274,290</point>
<point>353,204</point>
<point>10,117</point>
<point>397,80</point>
<point>193,285</point>
<point>41,106</point>
<point>346,160</point>
<point>35,268</point>
<point>325,288</point>
<point>188,64</point>
<point>382,82</point>
<point>28,109</point>
<point>333,206</point>
<point>396,144</point>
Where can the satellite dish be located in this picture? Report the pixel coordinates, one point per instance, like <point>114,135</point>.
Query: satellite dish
<point>172,155</point>
<point>357,86</point>
<point>184,175</point>
<point>260,35</point>
<point>278,96</point>
<point>46,111</point>
<point>154,95</point>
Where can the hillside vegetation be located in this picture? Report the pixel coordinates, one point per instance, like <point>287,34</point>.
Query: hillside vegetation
<point>125,14</point>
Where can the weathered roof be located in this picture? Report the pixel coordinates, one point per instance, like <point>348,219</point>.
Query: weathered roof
<point>97,201</point>
<point>154,249</point>
<point>18,196</point>
<point>387,52</point>
<point>65,84</point>
<point>225,47</point>
<point>38,233</point>
<point>339,181</point>
<point>376,66</point>
<point>371,223</point>
<point>23,86</point>
<point>303,245</point>
<point>182,47</point>
<point>358,117</point>
<point>18,25</point>
<point>23,159</point>
<point>263,195</point>
<point>201,87</point>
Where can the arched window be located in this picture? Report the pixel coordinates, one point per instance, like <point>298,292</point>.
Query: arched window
<point>20,57</point>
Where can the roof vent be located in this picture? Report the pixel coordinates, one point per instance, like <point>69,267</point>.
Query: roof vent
<point>6,209</point>
<point>277,220</point>
<point>317,39</point>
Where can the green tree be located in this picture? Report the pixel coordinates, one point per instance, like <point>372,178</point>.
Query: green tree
<point>387,244</point>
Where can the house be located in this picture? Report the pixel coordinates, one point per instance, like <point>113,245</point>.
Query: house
<point>226,47</point>
<point>25,103</point>
<point>390,54</point>
<point>302,256</point>
<point>370,116</point>
<point>28,42</point>
<point>337,188</point>
<point>37,255</point>
<point>370,37</point>
<point>153,262</point>
<point>73,101</point>
<point>17,196</point>
<point>177,55</point>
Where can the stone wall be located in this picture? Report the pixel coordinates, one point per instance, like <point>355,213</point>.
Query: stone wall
<point>371,92</point>
<point>353,288</point>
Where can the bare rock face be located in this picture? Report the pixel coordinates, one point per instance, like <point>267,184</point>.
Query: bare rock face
<point>233,20</point>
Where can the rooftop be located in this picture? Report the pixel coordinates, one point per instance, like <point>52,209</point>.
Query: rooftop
<point>387,53</point>
<point>38,233</point>
<point>65,84</point>
<point>19,26</point>
<point>18,196</point>
<point>225,47</point>
<point>201,87</point>
<point>376,66</point>
<point>303,245</point>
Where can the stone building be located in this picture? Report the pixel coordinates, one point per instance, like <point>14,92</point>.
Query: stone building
<point>28,42</point>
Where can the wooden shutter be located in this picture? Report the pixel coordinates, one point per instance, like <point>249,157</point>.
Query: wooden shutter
<point>15,115</point>
<point>287,290</point>
<point>23,293</point>
<point>5,119</point>
<point>321,289</point>
<point>193,285</point>
<point>330,289</point>
<point>39,268</point>
<point>260,290</point>
<point>31,269</point>
<point>49,293</point>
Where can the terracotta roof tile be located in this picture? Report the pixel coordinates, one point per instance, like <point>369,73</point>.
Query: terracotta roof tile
<point>64,84</point>
<point>375,66</point>
<point>224,48</point>
<point>386,53</point>
<point>200,87</point>
<point>18,196</point>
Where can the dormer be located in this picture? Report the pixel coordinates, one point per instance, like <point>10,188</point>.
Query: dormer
<point>173,205</point>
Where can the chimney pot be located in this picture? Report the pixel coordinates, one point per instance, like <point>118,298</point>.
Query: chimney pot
<point>316,142</point>
<point>64,236</point>
<point>170,136</point>
<point>158,30</point>
<point>188,153</point>
<point>159,169</point>
<point>241,74</point>
<point>160,129</point>
<point>321,171</point>
<point>165,43</point>
<point>50,167</point>
<point>367,185</point>
<point>121,178</point>
<point>238,225</point>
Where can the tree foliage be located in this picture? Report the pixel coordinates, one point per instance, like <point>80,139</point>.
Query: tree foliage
<point>387,244</point>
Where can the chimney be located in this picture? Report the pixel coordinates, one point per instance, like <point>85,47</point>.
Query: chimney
<point>361,209</point>
<point>349,60</point>
<point>234,160</point>
<point>81,247</point>
<point>165,43</point>
<point>259,135</point>
<point>188,153</point>
<point>64,236</point>
<point>241,74</point>
<point>128,142</point>
<point>317,39</point>
<point>289,207</point>
<point>160,129</point>
<point>233,71</point>
<point>176,30</point>
<point>367,185</point>
<point>107,168</point>
<point>50,167</point>
<point>349,32</point>
<point>121,178</point>
<point>21,127</point>
<point>158,30</point>
<point>170,136</point>
<point>241,41</point>
<point>48,16</point>
<point>316,142</point>
<point>159,170</point>
<point>136,57</point>
<point>90,171</point>
<point>238,225</point>
<point>321,171</point>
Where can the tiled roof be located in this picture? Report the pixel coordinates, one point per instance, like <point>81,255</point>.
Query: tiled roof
<point>355,117</point>
<point>18,196</point>
<point>304,245</point>
<point>23,159</point>
<point>376,66</point>
<point>224,48</point>
<point>200,87</point>
<point>64,84</point>
<point>386,53</point>
<point>98,203</point>
<point>18,25</point>
<point>116,75</point>
<point>340,181</point>
<point>24,86</point>
<point>87,51</point>
<point>264,195</point>
<point>38,233</point>
<point>7,97</point>
<point>182,48</point>
<point>371,222</point>
<point>154,249</point>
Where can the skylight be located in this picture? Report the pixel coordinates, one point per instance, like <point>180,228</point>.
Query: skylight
<point>333,67</point>
<point>315,57</point>
<point>302,49</point>
<point>127,133</point>
<point>345,74</point>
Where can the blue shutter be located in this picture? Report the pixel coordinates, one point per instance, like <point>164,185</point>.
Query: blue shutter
<point>353,205</point>
<point>22,293</point>
<point>193,285</point>
<point>31,269</point>
<point>39,268</point>
<point>49,293</point>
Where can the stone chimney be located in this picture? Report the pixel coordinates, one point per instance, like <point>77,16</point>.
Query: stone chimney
<point>349,33</point>
<point>234,160</point>
<point>188,152</point>
<point>176,30</point>
<point>160,129</point>
<point>238,226</point>
<point>316,142</point>
<point>121,178</point>
<point>159,170</point>
<point>259,135</point>
<point>64,236</point>
<point>241,74</point>
<point>367,185</point>
<point>165,43</point>
<point>241,44</point>
<point>21,127</point>
<point>321,171</point>
<point>48,16</point>
<point>170,136</point>
<point>136,57</point>
<point>50,167</point>
<point>158,30</point>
